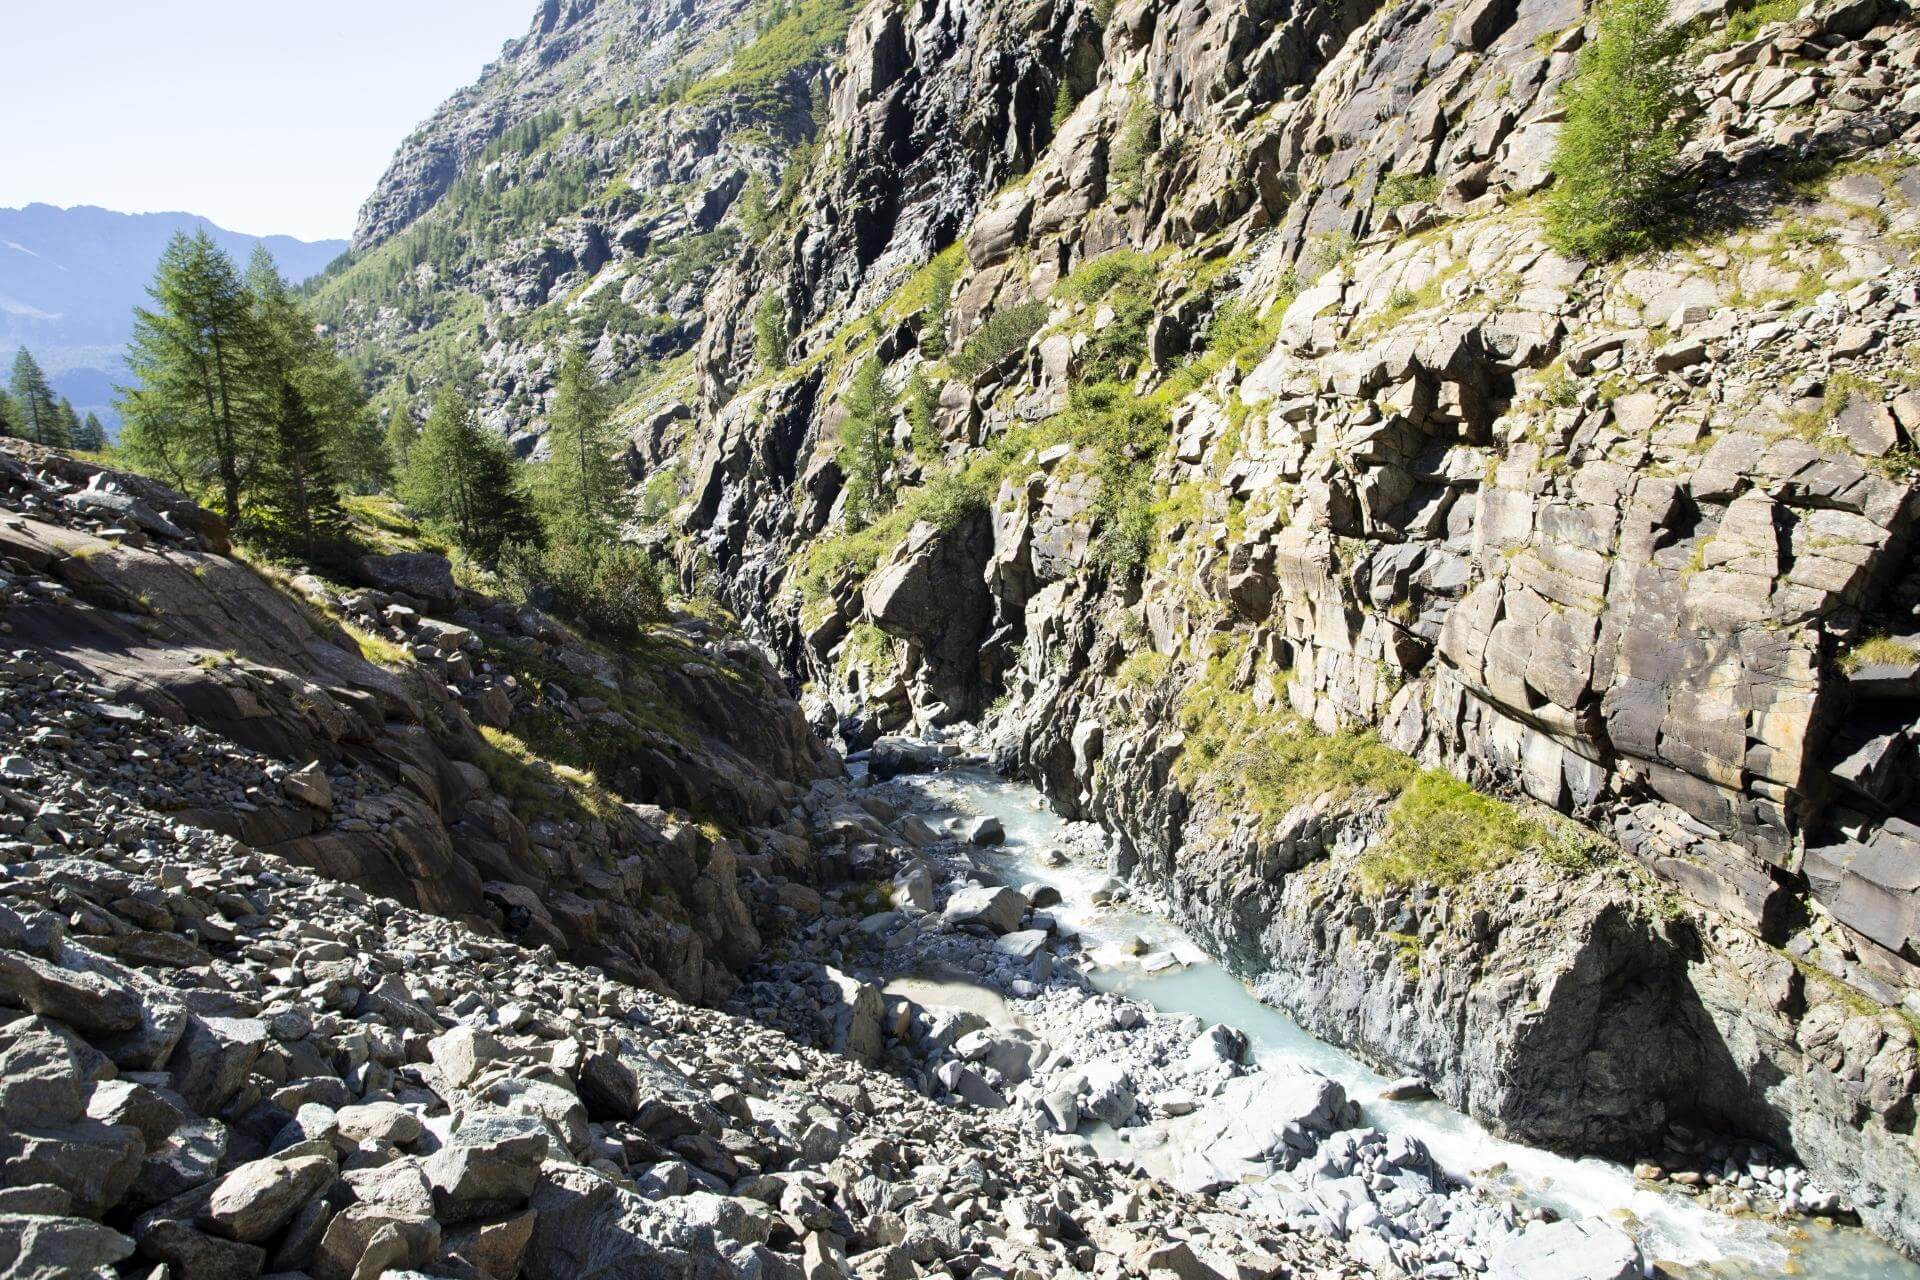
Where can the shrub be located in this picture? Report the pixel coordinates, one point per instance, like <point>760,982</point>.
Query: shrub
<point>1004,332</point>
<point>1407,188</point>
<point>1615,168</point>
<point>612,590</point>
<point>1095,278</point>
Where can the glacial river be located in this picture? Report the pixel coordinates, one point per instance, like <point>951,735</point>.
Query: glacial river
<point>1672,1228</point>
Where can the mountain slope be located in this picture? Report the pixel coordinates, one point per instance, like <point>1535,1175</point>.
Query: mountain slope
<point>1506,659</point>
<point>70,279</point>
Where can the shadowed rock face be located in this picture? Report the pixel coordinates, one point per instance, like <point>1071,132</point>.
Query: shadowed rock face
<point>1607,539</point>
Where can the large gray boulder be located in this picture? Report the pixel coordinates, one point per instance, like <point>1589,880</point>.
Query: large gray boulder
<point>994,906</point>
<point>1581,1249</point>
<point>260,1197</point>
<point>420,574</point>
<point>489,1166</point>
<point>39,1247</point>
<point>1270,1118</point>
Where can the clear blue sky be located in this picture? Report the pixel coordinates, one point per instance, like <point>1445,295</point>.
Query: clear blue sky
<point>272,117</point>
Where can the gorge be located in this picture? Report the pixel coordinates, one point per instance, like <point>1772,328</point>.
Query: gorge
<point>1498,650</point>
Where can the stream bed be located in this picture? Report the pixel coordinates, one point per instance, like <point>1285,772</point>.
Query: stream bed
<point>1673,1229</point>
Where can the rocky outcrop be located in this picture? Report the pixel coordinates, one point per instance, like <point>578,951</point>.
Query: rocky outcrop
<point>254,713</point>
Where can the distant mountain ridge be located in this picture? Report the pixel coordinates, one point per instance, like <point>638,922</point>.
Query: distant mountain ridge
<point>70,279</point>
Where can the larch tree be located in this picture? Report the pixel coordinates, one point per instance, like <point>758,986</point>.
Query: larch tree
<point>866,443</point>
<point>401,433</point>
<point>1615,165</point>
<point>71,428</point>
<point>581,486</point>
<point>194,413</point>
<point>93,435</point>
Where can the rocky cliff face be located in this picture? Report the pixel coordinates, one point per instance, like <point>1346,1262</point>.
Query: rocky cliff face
<point>1243,407</point>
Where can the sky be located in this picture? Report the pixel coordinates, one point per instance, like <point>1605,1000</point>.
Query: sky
<point>272,117</point>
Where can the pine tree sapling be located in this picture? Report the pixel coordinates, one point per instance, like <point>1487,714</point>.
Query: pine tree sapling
<point>463,481</point>
<point>770,333</point>
<point>1615,167</point>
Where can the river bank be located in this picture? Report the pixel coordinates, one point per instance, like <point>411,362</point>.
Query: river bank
<point>1011,971</point>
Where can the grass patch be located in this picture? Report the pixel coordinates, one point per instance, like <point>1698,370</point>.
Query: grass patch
<point>377,649</point>
<point>791,36</point>
<point>1877,651</point>
<point>537,787</point>
<point>1440,831</point>
<point>1142,670</point>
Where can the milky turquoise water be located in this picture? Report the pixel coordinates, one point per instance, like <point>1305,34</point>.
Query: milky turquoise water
<point>1672,1228</point>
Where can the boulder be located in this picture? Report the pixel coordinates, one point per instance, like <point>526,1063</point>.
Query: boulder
<point>420,574</point>
<point>87,1002</point>
<point>488,1167</point>
<point>1579,1249</point>
<point>986,831</point>
<point>213,1058</point>
<point>260,1197</point>
<point>995,907</point>
<point>46,1247</point>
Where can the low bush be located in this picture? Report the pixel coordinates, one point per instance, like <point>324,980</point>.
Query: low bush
<point>1004,332</point>
<point>613,591</point>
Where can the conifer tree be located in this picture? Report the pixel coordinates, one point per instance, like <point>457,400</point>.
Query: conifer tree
<point>299,494</point>
<point>9,415</point>
<point>40,419</point>
<point>866,443</point>
<point>581,485</point>
<point>195,413</point>
<point>93,436</point>
<point>70,428</point>
<point>462,480</point>
<point>1615,164</point>
<point>401,433</point>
